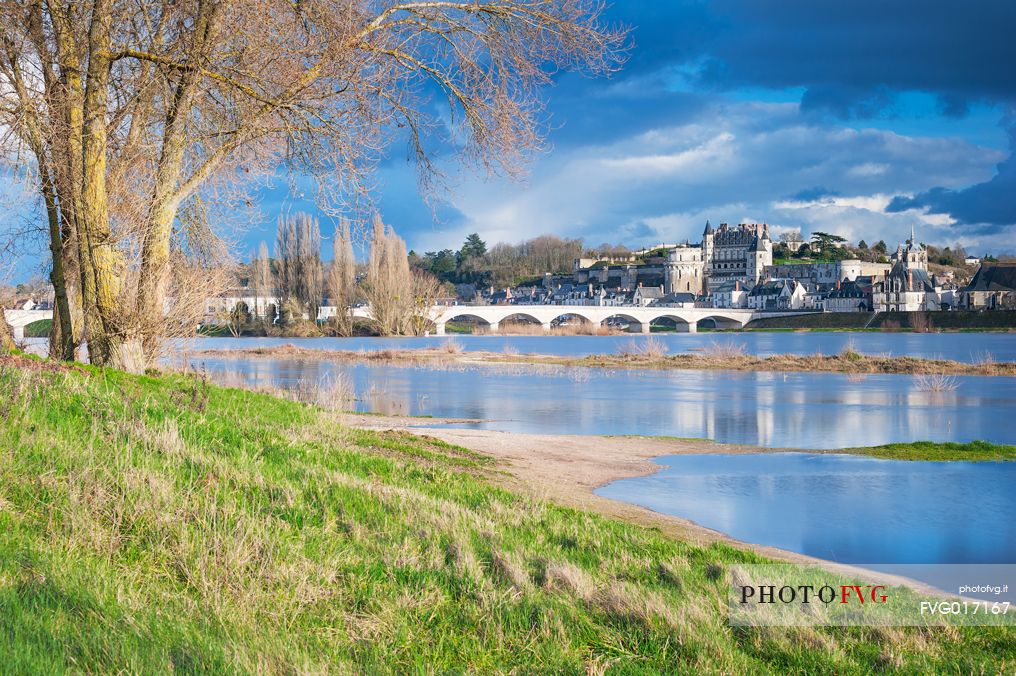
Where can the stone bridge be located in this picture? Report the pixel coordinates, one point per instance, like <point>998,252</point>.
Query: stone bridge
<point>637,318</point>
<point>19,319</point>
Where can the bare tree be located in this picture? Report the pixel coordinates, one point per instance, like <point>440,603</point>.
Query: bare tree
<point>129,113</point>
<point>425,290</point>
<point>388,280</point>
<point>261,282</point>
<point>298,250</point>
<point>342,279</point>
<point>399,297</point>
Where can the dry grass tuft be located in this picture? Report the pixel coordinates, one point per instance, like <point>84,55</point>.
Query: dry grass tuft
<point>669,574</point>
<point>452,346</point>
<point>504,566</point>
<point>986,360</point>
<point>561,576</point>
<point>644,348</point>
<point>729,349</point>
<point>627,603</point>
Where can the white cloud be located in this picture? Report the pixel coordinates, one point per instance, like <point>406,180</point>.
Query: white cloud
<point>736,162</point>
<point>869,169</point>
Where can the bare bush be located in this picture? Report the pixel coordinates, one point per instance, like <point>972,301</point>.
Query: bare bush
<point>935,383</point>
<point>986,360</point>
<point>920,322</point>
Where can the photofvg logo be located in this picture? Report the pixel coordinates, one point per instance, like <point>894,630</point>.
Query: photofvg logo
<point>808,595</point>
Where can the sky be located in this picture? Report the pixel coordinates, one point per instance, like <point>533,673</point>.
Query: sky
<point>860,118</point>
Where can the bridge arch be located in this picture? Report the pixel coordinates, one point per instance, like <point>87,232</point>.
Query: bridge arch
<point>475,317</point>
<point>720,320</point>
<point>514,317</point>
<point>635,325</point>
<point>681,324</point>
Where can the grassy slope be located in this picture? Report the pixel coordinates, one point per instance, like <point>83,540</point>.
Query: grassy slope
<point>157,523</point>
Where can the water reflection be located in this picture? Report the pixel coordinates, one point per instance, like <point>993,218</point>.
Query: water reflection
<point>842,508</point>
<point>779,410</point>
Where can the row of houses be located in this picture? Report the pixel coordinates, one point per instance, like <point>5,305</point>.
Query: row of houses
<point>903,284</point>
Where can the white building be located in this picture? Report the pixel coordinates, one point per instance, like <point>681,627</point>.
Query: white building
<point>646,295</point>
<point>907,287</point>
<point>778,294</point>
<point>730,295</point>
<point>825,276</point>
<point>850,296</point>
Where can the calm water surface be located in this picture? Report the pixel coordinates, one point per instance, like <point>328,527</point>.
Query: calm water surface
<point>959,346</point>
<point>839,507</point>
<point>777,410</point>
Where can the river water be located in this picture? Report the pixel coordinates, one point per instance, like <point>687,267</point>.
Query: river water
<point>839,507</point>
<point>844,508</point>
<point>777,410</point>
<point>966,347</point>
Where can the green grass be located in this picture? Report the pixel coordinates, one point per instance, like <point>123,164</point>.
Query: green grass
<point>150,524</point>
<point>39,329</point>
<point>975,451</point>
<point>459,327</point>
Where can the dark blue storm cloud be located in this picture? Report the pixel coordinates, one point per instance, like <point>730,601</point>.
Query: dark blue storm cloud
<point>990,205</point>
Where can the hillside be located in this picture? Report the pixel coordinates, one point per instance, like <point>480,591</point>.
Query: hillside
<point>150,524</point>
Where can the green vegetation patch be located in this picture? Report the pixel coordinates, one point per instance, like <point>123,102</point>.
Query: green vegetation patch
<point>975,451</point>
<point>156,524</point>
<point>39,329</point>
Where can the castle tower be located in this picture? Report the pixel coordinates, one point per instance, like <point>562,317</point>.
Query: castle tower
<point>760,255</point>
<point>916,256</point>
<point>707,255</point>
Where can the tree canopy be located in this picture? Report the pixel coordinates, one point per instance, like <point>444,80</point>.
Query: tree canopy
<point>146,123</point>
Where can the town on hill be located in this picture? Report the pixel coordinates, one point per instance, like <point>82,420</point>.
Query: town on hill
<point>733,267</point>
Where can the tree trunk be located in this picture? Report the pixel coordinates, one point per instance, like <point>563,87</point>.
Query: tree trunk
<point>6,335</point>
<point>153,280</point>
<point>62,333</point>
<point>61,337</point>
<point>69,175</point>
<point>154,275</point>
<point>105,335</point>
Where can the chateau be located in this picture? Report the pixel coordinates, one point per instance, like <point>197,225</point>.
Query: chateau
<point>738,254</point>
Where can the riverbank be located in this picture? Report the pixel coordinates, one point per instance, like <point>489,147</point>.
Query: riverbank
<point>645,353</point>
<point>920,322</point>
<point>153,524</point>
<point>568,468</point>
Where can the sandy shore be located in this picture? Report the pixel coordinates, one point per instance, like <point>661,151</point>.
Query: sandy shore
<point>566,469</point>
